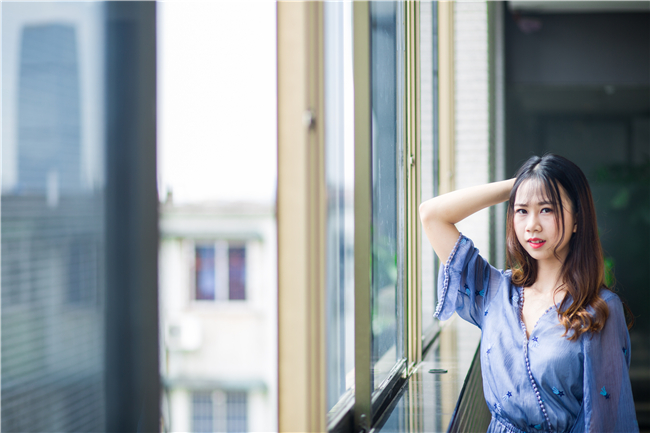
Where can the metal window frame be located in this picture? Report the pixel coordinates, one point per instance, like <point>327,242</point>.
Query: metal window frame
<point>362,216</point>
<point>132,373</point>
<point>413,292</point>
<point>370,405</point>
<point>432,331</point>
<point>496,112</point>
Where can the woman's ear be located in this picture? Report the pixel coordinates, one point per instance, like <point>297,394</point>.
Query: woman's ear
<point>575,227</point>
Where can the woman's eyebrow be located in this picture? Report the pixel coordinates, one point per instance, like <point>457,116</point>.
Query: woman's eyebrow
<point>541,203</point>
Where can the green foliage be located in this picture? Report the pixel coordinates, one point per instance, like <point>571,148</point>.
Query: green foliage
<point>631,201</point>
<point>633,194</point>
<point>609,272</point>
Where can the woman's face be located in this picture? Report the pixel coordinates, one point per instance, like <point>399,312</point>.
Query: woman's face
<point>535,223</point>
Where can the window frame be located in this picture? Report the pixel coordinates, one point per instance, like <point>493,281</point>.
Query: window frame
<point>431,330</point>
<point>219,405</point>
<point>215,243</point>
<point>302,211</point>
<point>369,404</point>
<point>131,269</point>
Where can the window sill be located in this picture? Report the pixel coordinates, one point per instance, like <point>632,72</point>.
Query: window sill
<point>430,401</point>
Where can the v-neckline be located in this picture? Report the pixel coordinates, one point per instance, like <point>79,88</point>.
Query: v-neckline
<point>525,350</point>
<point>521,315</point>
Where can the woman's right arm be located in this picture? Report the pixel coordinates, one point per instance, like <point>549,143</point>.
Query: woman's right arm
<point>440,214</point>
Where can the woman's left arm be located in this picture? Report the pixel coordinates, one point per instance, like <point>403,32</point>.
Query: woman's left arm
<point>607,398</point>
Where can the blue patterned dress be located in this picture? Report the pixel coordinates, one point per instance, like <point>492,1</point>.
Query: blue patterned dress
<point>543,383</point>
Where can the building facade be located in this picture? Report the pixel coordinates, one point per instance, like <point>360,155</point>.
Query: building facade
<point>218,317</point>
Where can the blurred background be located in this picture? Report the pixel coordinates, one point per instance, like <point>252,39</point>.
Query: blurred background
<point>140,249</point>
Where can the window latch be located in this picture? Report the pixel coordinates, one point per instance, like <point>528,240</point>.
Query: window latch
<point>309,119</point>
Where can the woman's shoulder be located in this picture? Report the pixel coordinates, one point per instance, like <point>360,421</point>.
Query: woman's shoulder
<point>468,256</point>
<point>465,245</point>
<point>615,308</point>
<point>610,297</point>
<point>607,294</point>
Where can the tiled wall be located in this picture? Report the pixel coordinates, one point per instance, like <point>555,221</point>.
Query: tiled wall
<point>472,138</point>
<point>472,121</point>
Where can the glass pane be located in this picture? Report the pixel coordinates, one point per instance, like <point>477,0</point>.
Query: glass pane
<point>428,150</point>
<point>237,412</point>
<point>202,412</point>
<point>52,232</point>
<point>205,278</point>
<point>237,273</point>
<point>387,186</point>
<point>339,167</point>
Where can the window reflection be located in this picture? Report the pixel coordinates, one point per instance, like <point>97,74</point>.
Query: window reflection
<point>387,187</point>
<point>53,249</point>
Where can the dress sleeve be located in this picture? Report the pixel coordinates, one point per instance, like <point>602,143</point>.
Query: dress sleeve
<point>607,400</point>
<point>466,284</point>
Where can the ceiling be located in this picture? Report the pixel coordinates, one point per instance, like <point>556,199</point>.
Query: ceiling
<point>537,6</point>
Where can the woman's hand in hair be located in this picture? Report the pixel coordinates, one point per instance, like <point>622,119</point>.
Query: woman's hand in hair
<point>440,214</point>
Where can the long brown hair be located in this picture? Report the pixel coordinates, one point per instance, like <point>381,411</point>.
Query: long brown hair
<point>583,270</point>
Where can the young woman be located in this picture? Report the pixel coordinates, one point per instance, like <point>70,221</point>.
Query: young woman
<point>555,348</point>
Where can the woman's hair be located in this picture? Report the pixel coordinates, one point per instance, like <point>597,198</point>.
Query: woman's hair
<point>582,272</point>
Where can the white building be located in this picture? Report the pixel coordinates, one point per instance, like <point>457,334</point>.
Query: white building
<point>218,301</point>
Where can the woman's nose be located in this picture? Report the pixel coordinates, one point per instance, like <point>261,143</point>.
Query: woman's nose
<point>532,223</point>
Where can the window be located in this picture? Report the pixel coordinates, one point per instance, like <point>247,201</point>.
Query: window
<point>78,220</point>
<point>428,156</point>
<point>205,273</point>
<point>53,217</point>
<point>220,271</point>
<point>236,273</point>
<point>316,208</point>
<point>219,411</point>
<point>202,412</point>
<point>387,90</point>
<point>339,180</point>
<point>236,411</point>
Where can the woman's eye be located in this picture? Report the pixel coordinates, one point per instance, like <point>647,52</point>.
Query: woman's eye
<point>547,210</point>
<point>521,211</point>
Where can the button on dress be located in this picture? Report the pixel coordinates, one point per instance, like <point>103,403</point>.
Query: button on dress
<point>544,383</point>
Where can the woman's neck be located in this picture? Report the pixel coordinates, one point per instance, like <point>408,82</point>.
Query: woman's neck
<point>548,276</point>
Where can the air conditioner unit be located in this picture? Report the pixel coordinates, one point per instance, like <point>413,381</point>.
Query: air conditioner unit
<point>183,334</point>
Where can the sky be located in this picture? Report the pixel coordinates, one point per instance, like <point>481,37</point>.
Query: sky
<point>217,122</point>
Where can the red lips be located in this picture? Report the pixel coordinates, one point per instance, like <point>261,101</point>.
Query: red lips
<point>536,242</point>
